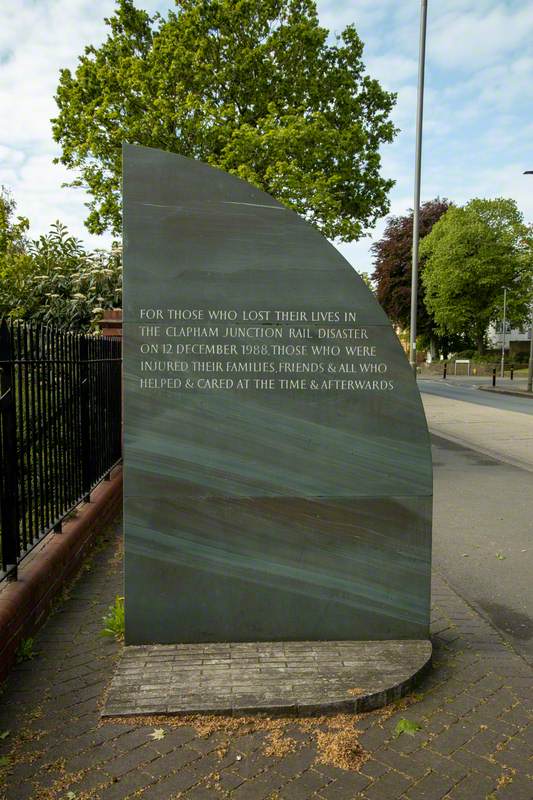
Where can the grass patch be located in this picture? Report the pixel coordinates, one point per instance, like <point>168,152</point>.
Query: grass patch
<point>114,620</point>
<point>26,651</point>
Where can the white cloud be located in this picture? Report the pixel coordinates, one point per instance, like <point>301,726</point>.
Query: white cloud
<point>479,36</point>
<point>391,70</point>
<point>337,14</point>
<point>49,35</point>
<point>477,126</point>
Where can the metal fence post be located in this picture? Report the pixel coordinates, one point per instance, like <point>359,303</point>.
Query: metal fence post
<point>85,419</point>
<point>9,505</point>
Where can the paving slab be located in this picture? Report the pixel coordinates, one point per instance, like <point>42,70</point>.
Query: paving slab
<point>499,433</point>
<point>280,677</point>
<point>472,708</point>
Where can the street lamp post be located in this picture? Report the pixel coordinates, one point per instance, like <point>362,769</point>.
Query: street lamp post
<point>418,165</point>
<point>504,325</point>
<point>530,365</point>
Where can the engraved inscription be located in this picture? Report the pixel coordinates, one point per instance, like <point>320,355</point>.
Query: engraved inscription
<point>208,349</point>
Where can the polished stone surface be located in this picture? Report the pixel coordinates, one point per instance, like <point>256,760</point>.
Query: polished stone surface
<point>267,677</point>
<point>263,513</point>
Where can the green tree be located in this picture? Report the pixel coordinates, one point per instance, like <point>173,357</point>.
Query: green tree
<point>393,265</point>
<point>252,87</point>
<point>472,253</point>
<point>368,281</point>
<point>53,279</point>
<point>69,287</point>
<point>13,232</point>
<point>15,264</point>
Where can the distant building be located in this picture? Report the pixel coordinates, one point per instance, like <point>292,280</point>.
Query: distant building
<point>517,340</point>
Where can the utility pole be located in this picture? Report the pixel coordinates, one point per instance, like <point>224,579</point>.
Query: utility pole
<point>504,325</point>
<point>530,365</point>
<point>418,166</point>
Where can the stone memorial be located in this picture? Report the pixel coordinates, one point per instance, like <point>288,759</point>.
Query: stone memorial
<point>278,478</point>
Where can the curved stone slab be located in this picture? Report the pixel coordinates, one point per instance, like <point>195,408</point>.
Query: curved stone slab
<point>273,510</point>
<point>267,677</point>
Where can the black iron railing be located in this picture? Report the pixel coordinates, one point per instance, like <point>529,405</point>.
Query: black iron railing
<point>60,429</point>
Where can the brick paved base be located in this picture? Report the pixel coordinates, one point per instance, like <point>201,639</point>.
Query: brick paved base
<point>280,677</point>
<point>25,603</point>
<point>474,710</point>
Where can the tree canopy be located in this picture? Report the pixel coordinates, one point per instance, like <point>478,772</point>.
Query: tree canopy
<point>471,254</point>
<point>251,87</point>
<point>53,279</point>
<point>13,229</point>
<point>393,267</point>
<point>15,264</point>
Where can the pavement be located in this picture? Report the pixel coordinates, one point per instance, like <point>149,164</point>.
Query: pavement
<point>471,723</point>
<point>483,522</point>
<point>483,536</point>
<point>467,729</point>
<point>495,425</point>
<point>468,390</point>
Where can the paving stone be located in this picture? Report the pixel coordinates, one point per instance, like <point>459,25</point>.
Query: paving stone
<point>230,780</point>
<point>92,779</point>
<point>172,784</point>
<point>464,743</point>
<point>374,768</point>
<point>432,786</point>
<point>253,764</point>
<point>272,779</point>
<point>472,787</point>
<point>304,786</point>
<point>124,786</point>
<point>515,754</point>
<point>458,734</point>
<point>406,764</point>
<point>164,765</point>
<point>315,676</point>
<point>254,789</point>
<point>426,759</point>
<point>347,785</point>
<point>486,742</point>
<point>391,785</point>
<point>132,760</point>
<point>520,788</point>
<point>295,763</point>
<point>99,755</point>
<point>199,793</point>
<point>127,740</point>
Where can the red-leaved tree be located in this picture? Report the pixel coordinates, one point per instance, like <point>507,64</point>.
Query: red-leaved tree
<point>392,268</point>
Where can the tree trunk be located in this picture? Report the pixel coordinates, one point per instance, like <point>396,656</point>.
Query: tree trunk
<point>480,342</point>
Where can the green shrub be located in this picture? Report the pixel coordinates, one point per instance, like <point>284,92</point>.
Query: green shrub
<point>114,620</point>
<point>25,651</point>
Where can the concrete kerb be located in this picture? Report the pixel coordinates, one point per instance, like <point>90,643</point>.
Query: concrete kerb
<point>513,392</point>
<point>26,602</point>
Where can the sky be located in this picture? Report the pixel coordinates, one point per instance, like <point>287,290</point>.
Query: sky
<point>478,120</point>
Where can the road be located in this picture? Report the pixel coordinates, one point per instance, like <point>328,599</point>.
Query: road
<point>483,507</point>
<point>466,390</point>
<point>496,425</point>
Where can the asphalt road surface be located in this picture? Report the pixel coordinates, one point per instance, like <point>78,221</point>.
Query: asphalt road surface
<point>483,536</point>
<point>466,389</point>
